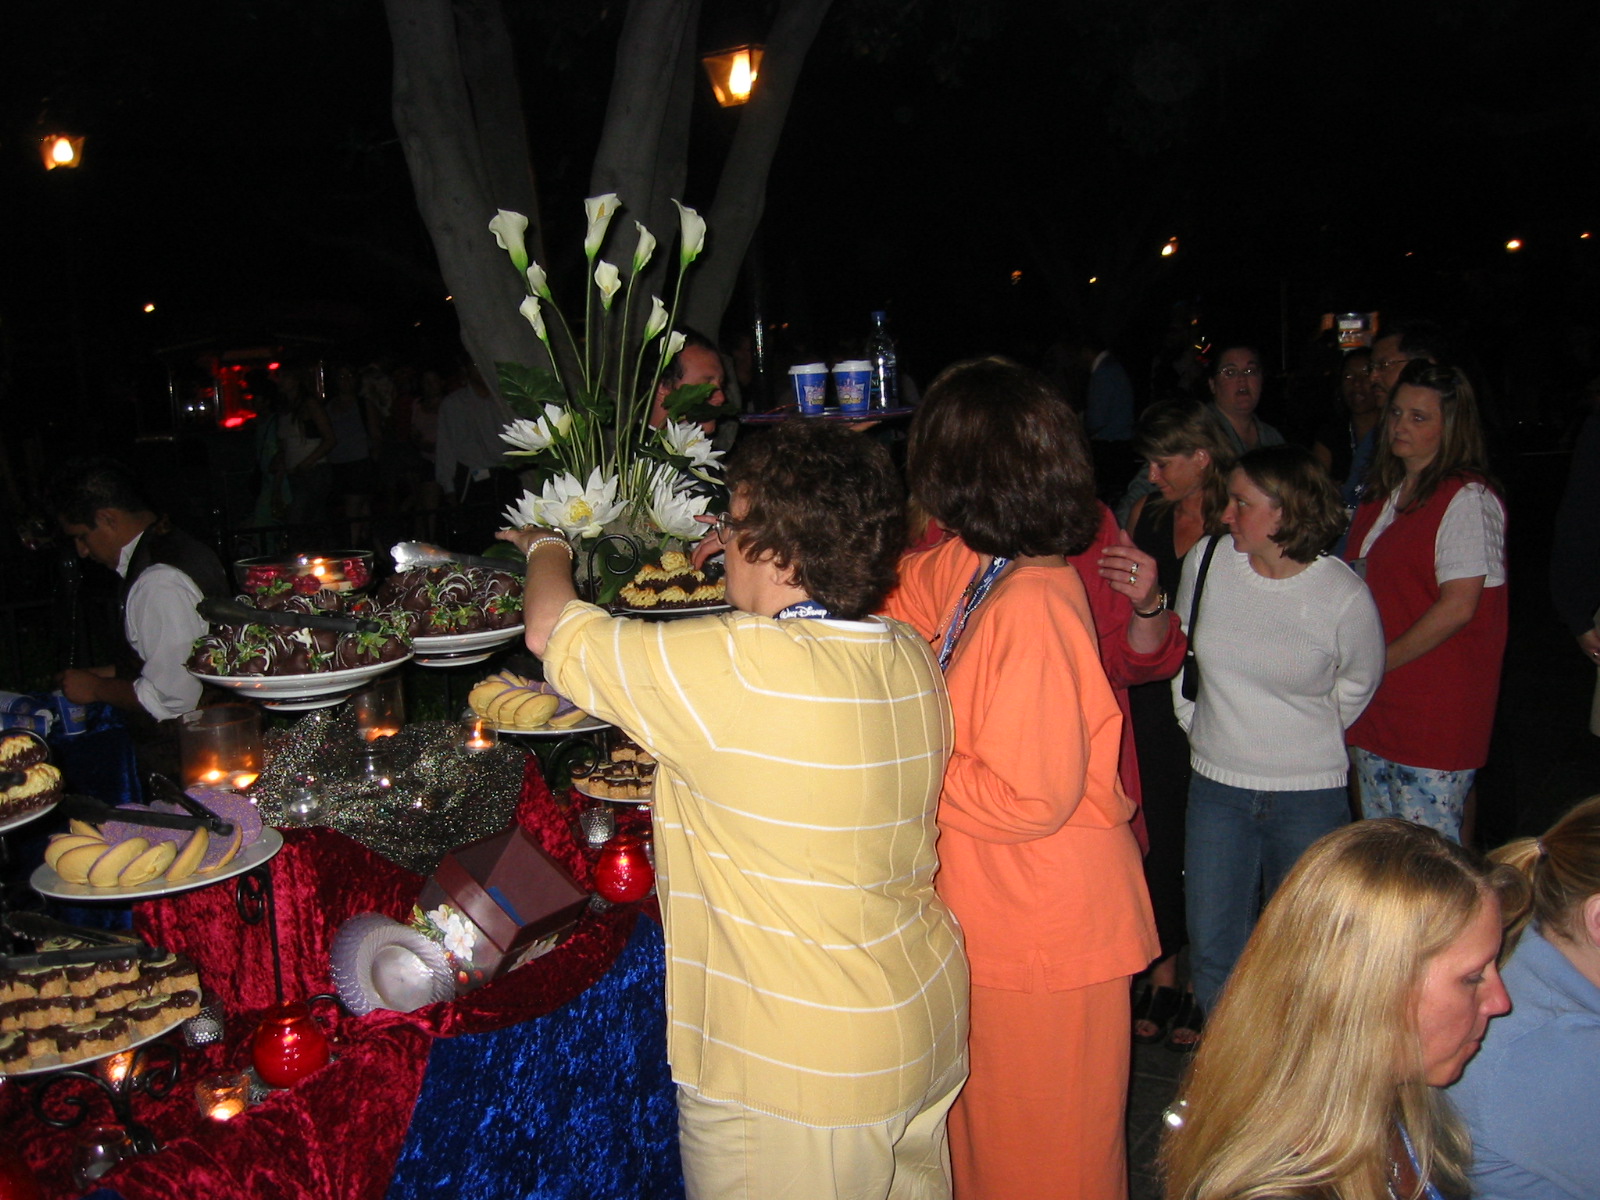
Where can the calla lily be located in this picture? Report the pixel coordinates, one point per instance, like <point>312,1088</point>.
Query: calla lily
<point>600,210</point>
<point>508,229</point>
<point>537,283</point>
<point>608,280</point>
<point>692,226</point>
<point>658,318</point>
<point>645,248</point>
<point>578,509</point>
<point>671,346</point>
<point>690,441</point>
<point>672,509</point>
<point>529,308</point>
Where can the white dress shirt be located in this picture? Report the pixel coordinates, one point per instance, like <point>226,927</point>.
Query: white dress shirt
<point>161,625</point>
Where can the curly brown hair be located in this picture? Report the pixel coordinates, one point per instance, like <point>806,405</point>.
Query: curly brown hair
<point>1311,516</point>
<point>827,504</point>
<point>998,457</point>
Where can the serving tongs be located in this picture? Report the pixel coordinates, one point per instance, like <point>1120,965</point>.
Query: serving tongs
<point>101,944</point>
<point>408,556</point>
<point>230,612</point>
<point>174,794</point>
<point>37,927</point>
<point>98,812</point>
<point>70,958</point>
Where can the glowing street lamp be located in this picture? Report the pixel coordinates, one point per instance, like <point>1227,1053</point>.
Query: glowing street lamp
<point>733,73</point>
<point>61,150</point>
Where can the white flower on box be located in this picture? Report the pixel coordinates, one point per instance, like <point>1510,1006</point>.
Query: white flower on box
<point>459,937</point>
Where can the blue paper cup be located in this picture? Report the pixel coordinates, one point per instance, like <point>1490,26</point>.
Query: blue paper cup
<point>852,383</point>
<point>810,382</point>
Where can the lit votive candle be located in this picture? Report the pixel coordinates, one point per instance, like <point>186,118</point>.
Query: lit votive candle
<point>115,1069</point>
<point>377,732</point>
<point>478,735</point>
<point>224,1096</point>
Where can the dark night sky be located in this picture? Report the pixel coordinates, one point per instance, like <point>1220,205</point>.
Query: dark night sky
<point>241,172</point>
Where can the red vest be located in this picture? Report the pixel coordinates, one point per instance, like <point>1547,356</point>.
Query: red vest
<point>1437,711</point>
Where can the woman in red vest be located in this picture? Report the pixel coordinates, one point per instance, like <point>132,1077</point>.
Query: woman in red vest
<point>1430,539</point>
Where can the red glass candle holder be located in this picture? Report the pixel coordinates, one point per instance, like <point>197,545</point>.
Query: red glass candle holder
<point>623,873</point>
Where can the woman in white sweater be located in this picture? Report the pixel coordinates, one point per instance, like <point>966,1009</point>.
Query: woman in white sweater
<point>1288,650</point>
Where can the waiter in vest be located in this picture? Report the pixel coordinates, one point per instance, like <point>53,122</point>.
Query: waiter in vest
<point>165,572</point>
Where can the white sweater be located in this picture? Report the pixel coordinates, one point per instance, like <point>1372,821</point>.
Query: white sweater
<point>1286,665</point>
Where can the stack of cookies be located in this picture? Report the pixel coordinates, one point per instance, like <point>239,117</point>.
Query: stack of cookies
<point>627,773</point>
<point>56,1016</point>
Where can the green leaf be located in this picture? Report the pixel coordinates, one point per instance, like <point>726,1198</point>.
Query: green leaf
<point>528,389</point>
<point>691,403</point>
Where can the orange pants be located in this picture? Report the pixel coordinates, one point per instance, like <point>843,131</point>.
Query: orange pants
<point>1043,1112</point>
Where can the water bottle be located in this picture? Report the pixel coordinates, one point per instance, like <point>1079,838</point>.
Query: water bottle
<point>885,364</point>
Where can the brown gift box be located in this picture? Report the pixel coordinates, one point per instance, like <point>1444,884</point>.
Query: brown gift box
<point>517,899</point>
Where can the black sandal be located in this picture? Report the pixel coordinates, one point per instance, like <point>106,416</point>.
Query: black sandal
<point>1154,1006</point>
<point>1187,1025</point>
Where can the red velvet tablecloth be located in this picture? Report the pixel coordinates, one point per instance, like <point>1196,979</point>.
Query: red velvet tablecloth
<point>338,1132</point>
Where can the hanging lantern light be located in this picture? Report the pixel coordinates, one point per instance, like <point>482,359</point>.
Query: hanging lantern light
<point>733,73</point>
<point>61,150</point>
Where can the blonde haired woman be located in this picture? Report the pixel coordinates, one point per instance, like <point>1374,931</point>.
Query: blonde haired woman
<point>1529,1096</point>
<point>1367,985</point>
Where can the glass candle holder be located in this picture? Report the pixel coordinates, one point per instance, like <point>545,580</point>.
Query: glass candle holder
<point>224,1096</point>
<point>206,1026</point>
<point>220,746</point>
<point>375,766</point>
<point>303,804</point>
<point>96,1150</point>
<point>380,708</point>
<point>477,735</point>
<point>598,824</point>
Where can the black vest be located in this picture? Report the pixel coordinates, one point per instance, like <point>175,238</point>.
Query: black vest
<point>163,544</point>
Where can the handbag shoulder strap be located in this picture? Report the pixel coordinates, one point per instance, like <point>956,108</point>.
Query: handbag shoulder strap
<point>1200,583</point>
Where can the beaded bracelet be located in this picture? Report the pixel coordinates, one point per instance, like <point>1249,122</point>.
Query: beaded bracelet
<point>552,539</point>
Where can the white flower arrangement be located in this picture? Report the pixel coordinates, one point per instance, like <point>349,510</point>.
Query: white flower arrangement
<point>449,928</point>
<point>589,425</point>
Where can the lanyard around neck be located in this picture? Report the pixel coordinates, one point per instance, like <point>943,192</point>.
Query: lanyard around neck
<point>982,581</point>
<point>805,609</point>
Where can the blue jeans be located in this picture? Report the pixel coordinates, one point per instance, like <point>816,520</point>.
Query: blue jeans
<point>1239,846</point>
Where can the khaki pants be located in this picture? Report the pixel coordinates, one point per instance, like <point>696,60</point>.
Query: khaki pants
<point>731,1152</point>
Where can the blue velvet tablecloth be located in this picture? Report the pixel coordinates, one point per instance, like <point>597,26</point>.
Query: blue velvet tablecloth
<point>575,1105</point>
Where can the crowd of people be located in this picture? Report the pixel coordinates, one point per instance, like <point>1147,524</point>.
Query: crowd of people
<point>940,804</point>
<point>1266,692</point>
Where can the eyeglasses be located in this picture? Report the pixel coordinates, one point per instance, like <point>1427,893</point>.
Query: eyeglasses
<point>1380,365</point>
<point>725,522</point>
<point>1235,372</point>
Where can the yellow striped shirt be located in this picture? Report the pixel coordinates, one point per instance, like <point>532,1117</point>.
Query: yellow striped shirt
<point>813,973</point>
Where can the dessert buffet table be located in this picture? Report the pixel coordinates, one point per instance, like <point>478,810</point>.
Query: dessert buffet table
<point>549,1082</point>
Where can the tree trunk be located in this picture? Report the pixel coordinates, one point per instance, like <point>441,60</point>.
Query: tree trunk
<point>643,154</point>
<point>446,147</point>
<point>742,190</point>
